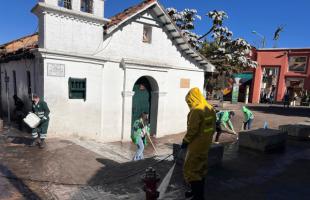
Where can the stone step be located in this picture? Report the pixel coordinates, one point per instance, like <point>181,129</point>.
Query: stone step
<point>214,159</point>
<point>264,140</point>
<point>299,131</point>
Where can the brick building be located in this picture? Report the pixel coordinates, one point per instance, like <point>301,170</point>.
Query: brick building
<point>280,70</point>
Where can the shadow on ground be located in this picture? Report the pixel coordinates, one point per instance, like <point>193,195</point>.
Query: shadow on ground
<point>20,188</point>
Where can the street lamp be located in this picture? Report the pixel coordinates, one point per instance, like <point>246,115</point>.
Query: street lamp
<point>262,37</point>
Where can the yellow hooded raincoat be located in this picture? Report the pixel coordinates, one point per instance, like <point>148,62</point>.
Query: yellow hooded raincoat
<point>200,128</point>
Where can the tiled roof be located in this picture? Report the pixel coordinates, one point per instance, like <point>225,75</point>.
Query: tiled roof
<point>115,20</point>
<point>24,43</point>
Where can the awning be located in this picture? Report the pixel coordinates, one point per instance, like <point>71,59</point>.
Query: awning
<point>244,76</point>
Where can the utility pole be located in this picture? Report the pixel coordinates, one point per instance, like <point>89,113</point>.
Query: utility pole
<point>262,37</point>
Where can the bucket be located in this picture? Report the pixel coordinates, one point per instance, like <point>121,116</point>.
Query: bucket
<point>32,120</point>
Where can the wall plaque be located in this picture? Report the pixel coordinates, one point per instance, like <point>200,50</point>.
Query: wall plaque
<point>185,83</point>
<point>54,69</point>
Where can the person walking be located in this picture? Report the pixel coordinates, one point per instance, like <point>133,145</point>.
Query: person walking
<point>140,131</point>
<point>197,141</point>
<point>224,118</point>
<point>248,118</point>
<point>40,108</point>
<point>286,99</point>
<point>295,96</point>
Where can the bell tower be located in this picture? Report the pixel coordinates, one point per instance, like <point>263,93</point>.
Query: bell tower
<point>74,26</point>
<point>95,7</point>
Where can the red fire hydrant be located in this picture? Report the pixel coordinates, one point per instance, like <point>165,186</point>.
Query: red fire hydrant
<point>150,179</point>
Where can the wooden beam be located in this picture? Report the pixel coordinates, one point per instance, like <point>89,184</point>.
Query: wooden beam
<point>182,43</point>
<point>172,31</point>
<point>159,16</point>
<point>177,37</point>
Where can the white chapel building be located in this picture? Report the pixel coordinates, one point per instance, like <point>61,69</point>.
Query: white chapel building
<point>97,75</point>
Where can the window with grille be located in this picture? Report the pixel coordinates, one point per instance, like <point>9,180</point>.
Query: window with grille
<point>87,6</point>
<point>77,88</point>
<point>65,4</point>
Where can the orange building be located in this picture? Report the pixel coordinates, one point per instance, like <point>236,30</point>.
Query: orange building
<point>279,71</point>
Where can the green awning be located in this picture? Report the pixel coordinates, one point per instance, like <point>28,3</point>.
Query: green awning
<point>246,76</point>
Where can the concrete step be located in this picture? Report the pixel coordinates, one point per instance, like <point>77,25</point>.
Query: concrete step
<point>299,131</point>
<point>264,140</point>
<point>214,159</point>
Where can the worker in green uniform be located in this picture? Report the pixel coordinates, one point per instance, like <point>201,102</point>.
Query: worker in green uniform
<point>248,118</point>
<point>40,108</point>
<point>224,118</point>
<point>197,141</point>
<point>139,133</point>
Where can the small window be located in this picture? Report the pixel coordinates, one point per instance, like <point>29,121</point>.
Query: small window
<point>87,6</point>
<point>29,82</point>
<point>297,63</point>
<point>14,82</point>
<point>147,34</point>
<point>77,88</point>
<point>65,4</point>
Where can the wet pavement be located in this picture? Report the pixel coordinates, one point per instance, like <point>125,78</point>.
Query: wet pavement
<point>74,168</point>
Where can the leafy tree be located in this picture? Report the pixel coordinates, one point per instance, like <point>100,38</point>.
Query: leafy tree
<point>185,22</point>
<point>226,53</point>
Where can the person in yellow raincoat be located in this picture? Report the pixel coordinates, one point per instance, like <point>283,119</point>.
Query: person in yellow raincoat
<point>200,129</point>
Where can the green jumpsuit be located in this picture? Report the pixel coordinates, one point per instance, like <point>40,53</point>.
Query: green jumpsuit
<point>42,111</point>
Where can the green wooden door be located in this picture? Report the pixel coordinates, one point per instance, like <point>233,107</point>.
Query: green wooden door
<point>141,101</point>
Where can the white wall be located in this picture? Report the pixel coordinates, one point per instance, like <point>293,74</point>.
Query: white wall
<point>74,116</point>
<point>112,87</point>
<point>71,35</point>
<point>126,42</point>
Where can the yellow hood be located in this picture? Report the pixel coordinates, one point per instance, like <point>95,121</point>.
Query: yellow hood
<point>195,100</point>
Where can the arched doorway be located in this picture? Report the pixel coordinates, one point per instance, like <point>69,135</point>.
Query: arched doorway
<point>145,99</point>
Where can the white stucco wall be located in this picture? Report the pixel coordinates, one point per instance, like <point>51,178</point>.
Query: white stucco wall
<point>71,35</point>
<point>126,42</point>
<point>74,116</point>
<point>21,67</point>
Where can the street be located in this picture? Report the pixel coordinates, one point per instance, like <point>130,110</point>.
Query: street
<point>73,168</point>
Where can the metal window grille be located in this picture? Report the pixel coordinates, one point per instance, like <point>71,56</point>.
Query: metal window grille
<point>87,6</point>
<point>77,88</point>
<point>65,4</point>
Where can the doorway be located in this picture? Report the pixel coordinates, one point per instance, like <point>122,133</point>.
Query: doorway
<point>145,99</point>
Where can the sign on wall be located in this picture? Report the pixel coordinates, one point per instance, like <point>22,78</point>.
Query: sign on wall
<point>55,69</point>
<point>185,83</point>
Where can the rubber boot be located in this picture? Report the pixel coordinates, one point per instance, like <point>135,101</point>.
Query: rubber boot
<point>42,144</point>
<point>35,142</point>
<point>189,194</point>
<point>198,190</point>
<point>193,189</point>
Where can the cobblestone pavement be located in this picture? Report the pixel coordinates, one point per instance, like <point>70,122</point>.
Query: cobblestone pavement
<point>72,168</point>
